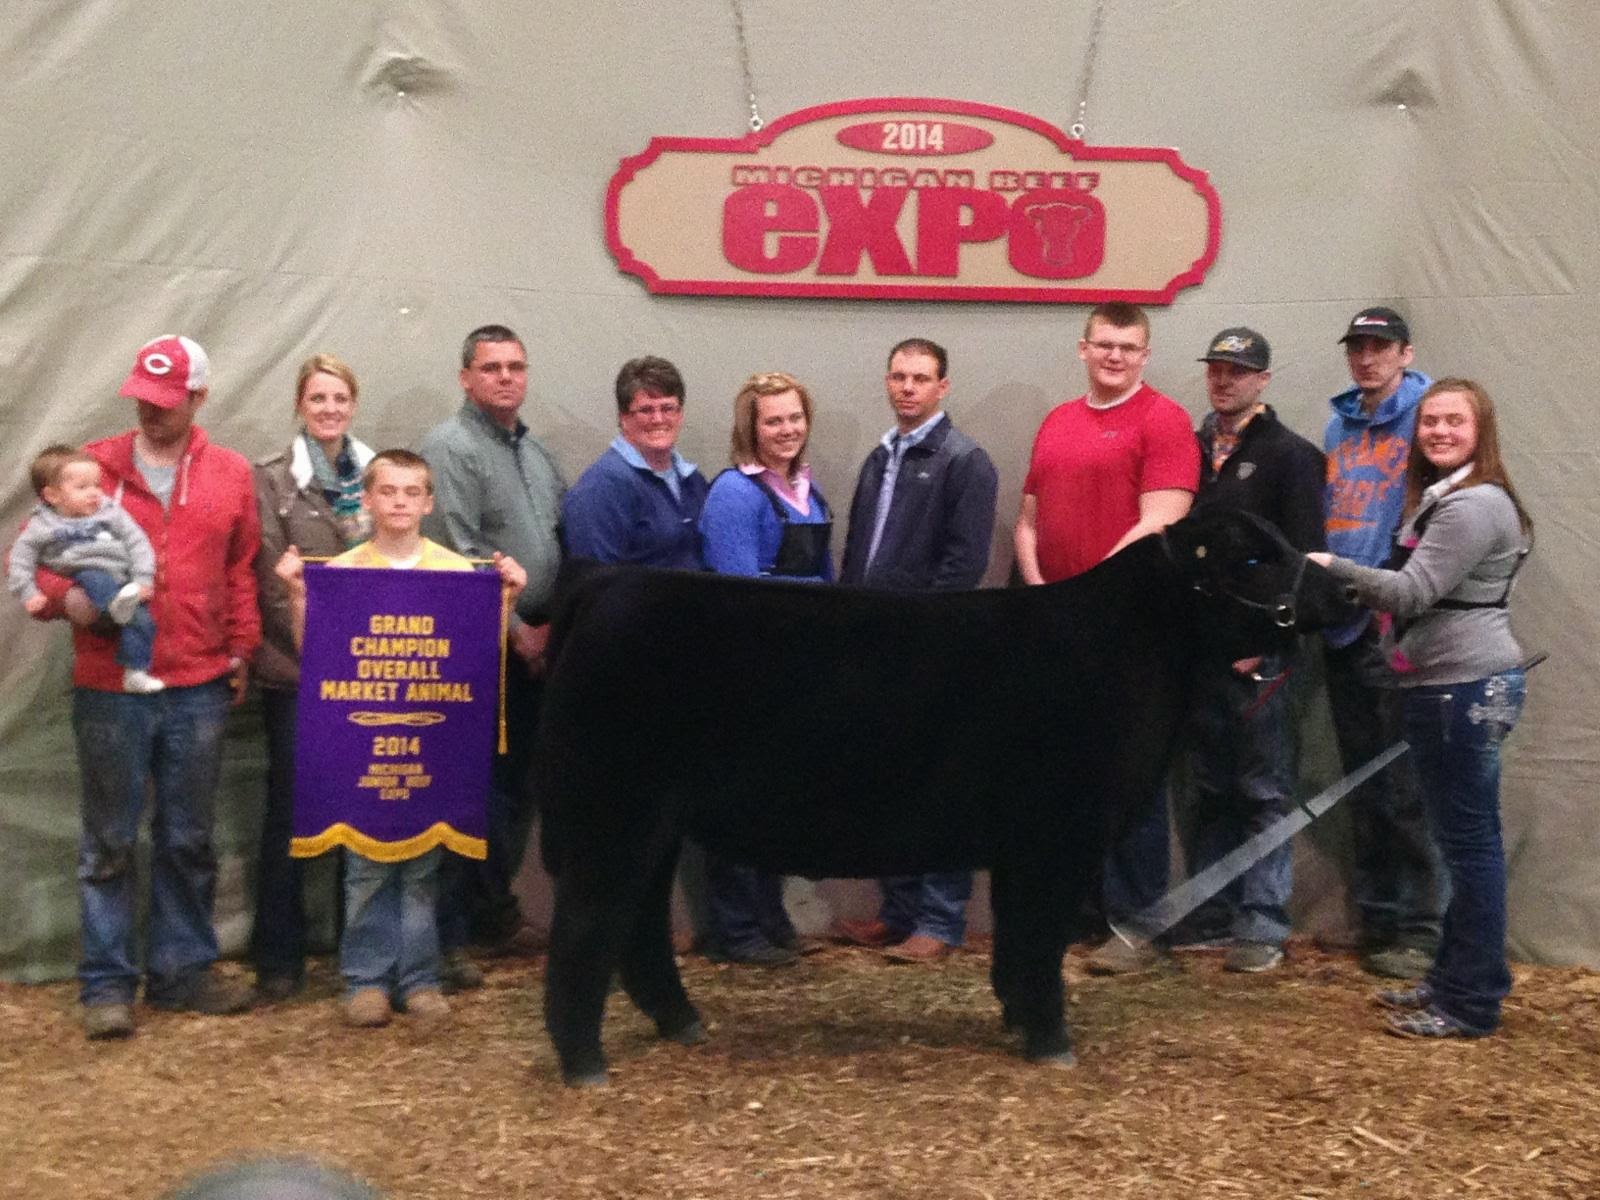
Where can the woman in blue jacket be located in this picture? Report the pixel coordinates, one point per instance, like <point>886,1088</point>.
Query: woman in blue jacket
<point>763,517</point>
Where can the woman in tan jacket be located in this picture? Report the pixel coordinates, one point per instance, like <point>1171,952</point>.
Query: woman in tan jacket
<point>309,496</point>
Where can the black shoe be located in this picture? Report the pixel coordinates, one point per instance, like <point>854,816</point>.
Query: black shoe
<point>757,956</point>
<point>802,945</point>
<point>458,973</point>
<point>275,989</point>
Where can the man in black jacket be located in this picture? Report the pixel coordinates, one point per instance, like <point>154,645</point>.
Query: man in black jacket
<point>922,517</point>
<point>1241,755</point>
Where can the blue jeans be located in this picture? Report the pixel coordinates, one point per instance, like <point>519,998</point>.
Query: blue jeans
<point>1455,732</point>
<point>744,908</point>
<point>1397,878</point>
<point>1137,864</point>
<point>391,935</point>
<point>137,639</point>
<point>1240,760</point>
<point>168,744</point>
<point>934,905</point>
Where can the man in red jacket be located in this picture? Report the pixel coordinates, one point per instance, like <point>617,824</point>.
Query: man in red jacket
<point>196,503</point>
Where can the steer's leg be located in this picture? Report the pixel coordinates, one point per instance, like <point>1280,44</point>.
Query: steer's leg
<point>1030,922</point>
<point>649,969</point>
<point>590,914</point>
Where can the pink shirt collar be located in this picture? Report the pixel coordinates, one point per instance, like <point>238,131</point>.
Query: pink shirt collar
<point>796,493</point>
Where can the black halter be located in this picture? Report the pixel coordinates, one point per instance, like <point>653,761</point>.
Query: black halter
<point>1284,607</point>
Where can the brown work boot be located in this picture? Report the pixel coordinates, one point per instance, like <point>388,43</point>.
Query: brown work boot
<point>919,948</point>
<point>872,933</point>
<point>103,1022</point>
<point>427,1004</point>
<point>366,1008</point>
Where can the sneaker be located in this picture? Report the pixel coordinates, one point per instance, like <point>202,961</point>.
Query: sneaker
<point>124,604</point>
<point>1117,957</point>
<point>1430,1022</point>
<point>1253,957</point>
<point>458,973</point>
<point>1397,962</point>
<point>103,1022</point>
<point>211,994</point>
<point>1405,999</point>
<point>141,683</point>
<point>368,1008</point>
<point>1203,943</point>
<point>427,1004</point>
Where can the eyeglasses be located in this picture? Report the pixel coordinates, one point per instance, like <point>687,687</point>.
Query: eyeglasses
<point>1126,349</point>
<point>648,411</point>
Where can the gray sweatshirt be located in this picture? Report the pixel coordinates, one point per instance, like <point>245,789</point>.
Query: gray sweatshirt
<point>1469,550</point>
<point>108,540</point>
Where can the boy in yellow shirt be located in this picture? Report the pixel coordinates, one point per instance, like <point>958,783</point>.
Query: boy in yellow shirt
<point>389,952</point>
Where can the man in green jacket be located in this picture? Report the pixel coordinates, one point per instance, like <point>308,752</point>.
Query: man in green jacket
<point>497,488</point>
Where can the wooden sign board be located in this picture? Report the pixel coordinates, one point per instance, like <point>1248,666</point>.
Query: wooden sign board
<point>903,199</point>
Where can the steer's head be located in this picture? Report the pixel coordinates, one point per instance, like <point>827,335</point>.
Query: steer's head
<point>1259,588</point>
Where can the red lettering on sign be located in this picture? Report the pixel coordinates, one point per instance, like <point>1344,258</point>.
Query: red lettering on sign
<point>941,229</point>
<point>750,213</point>
<point>854,227</point>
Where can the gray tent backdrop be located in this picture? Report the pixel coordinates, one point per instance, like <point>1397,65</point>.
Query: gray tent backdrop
<point>376,178</point>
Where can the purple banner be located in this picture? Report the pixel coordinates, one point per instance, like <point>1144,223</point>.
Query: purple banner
<point>399,694</point>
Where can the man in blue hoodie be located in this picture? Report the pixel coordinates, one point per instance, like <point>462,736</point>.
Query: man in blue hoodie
<point>1397,878</point>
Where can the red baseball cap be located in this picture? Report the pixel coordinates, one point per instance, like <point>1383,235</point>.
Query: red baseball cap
<point>166,371</point>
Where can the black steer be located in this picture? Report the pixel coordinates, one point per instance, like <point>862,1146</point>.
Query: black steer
<point>838,732</point>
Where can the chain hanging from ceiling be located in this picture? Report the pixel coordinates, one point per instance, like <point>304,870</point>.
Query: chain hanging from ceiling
<point>1079,127</point>
<point>744,61</point>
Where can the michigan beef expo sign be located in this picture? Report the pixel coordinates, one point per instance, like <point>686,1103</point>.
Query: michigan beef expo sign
<point>913,200</point>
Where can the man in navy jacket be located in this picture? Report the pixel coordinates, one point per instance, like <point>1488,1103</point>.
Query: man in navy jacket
<point>922,517</point>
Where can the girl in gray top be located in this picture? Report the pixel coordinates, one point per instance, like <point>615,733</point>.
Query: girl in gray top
<point>1448,634</point>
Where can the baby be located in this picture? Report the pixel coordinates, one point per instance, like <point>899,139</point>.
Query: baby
<point>75,531</point>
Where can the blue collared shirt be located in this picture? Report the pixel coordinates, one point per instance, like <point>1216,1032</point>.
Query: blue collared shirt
<point>679,468</point>
<point>896,443</point>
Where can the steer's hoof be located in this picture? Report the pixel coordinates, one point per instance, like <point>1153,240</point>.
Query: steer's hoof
<point>1053,1049</point>
<point>1061,1059</point>
<point>584,1070</point>
<point>692,1034</point>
